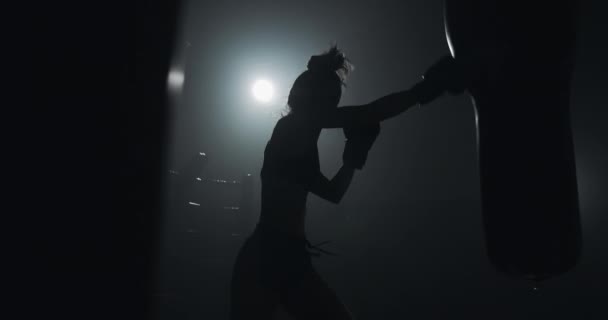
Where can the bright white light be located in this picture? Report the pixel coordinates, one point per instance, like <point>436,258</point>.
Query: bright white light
<point>175,79</point>
<point>263,91</point>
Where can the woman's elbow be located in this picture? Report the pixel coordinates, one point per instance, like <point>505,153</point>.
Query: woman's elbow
<point>335,198</point>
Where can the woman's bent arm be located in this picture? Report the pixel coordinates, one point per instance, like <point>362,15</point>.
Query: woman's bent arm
<point>333,190</point>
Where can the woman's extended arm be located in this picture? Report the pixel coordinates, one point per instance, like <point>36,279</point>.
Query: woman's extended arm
<point>444,75</point>
<point>374,112</point>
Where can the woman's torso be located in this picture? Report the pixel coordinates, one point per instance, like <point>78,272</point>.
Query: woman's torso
<point>291,160</point>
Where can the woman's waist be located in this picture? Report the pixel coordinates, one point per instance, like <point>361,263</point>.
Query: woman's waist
<point>290,225</point>
<point>278,239</point>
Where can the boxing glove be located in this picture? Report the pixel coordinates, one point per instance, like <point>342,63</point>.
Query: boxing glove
<point>359,141</point>
<point>445,75</point>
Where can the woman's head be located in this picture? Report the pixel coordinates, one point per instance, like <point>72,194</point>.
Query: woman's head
<point>320,87</point>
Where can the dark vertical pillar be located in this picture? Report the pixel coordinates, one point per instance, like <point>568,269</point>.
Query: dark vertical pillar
<point>87,234</point>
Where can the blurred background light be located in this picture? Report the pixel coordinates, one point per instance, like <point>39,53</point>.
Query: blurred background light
<point>263,91</point>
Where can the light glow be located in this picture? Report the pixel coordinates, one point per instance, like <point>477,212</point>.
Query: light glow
<point>175,79</point>
<point>263,91</point>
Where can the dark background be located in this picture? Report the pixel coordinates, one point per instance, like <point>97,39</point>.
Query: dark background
<point>89,232</point>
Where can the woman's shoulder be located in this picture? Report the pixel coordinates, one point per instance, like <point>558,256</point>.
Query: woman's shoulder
<point>292,134</point>
<point>299,123</point>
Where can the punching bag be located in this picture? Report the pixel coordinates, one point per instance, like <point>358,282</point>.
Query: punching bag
<point>519,58</point>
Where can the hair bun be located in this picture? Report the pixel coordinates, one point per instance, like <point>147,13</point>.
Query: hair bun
<point>333,60</point>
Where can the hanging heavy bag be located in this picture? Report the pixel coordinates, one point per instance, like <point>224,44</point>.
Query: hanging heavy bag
<point>525,56</point>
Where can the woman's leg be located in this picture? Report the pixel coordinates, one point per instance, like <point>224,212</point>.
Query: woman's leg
<point>249,299</point>
<point>312,298</point>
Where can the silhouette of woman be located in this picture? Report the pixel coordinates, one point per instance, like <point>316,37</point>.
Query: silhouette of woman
<point>274,265</point>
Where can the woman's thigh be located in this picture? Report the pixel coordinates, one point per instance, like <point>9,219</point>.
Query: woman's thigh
<point>252,302</point>
<point>249,297</point>
<point>312,298</point>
